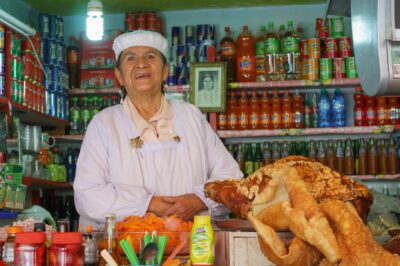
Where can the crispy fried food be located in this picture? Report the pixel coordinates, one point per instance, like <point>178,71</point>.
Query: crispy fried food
<point>356,243</point>
<point>252,193</point>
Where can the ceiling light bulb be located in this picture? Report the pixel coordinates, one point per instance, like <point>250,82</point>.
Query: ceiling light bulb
<point>94,20</point>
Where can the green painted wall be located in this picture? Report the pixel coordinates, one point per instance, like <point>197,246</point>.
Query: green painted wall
<point>21,11</point>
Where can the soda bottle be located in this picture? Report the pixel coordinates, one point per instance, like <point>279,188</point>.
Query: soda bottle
<point>260,56</point>
<point>338,109</point>
<point>70,165</point>
<point>230,148</point>
<point>267,155</point>
<point>281,35</point>
<point>265,118</point>
<point>392,157</point>
<point>75,117</point>
<point>314,107</point>
<point>362,158</point>
<point>372,155</point>
<point>307,112</point>
<point>321,152</point>
<point>298,111</point>
<point>232,111</point>
<point>245,61</point>
<point>271,40</point>
<point>285,150</point>
<point>303,149</point>
<point>276,111</point>
<point>293,148</point>
<point>258,157</point>
<point>324,109</point>
<point>85,114</point>
<point>381,111</point>
<point>287,112</point>
<point>291,40</point>
<point>240,157</point>
<point>359,108</point>
<point>276,152</point>
<point>370,110</point>
<point>222,121</point>
<point>254,111</point>
<point>73,63</point>
<point>243,114</point>
<point>249,160</point>
<point>382,157</point>
<point>331,155</point>
<point>393,111</point>
<point>339,156</point>
<point>95,106</point>
<point>312,152</point>
<point>348,168</point>
<point>228,54</point>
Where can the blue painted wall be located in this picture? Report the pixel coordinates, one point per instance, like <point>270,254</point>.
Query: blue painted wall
<point>21,11</point>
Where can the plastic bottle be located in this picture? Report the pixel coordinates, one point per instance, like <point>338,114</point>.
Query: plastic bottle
<point>339,156</point>
<point>75,117</point>
<point>254,117</point>
<point>370,110</point>
<point>276,111</point>
<point>228,54</point>
<point>267,155</point>
<point>324,109</point>
<point>8,247</point>
<point>308,117</point>
<point>90,247</point>
<point>291,40</point>
<point>348,168</point>
<point>338,109</point>
<point>243,114</point>
<point>265,117</point>
<point>73,63</point>
<point>95,106</point>
<point>249,160</point>
<point>276,152</point>
<point>298,111</point>
<point>362,158</point>
<point>287,112</point>
<point>85,114</point>
<point>381,111</point>
<point>260,56</point>
<point>314,106</point>
<point>359,108</point>
<point>232,111</point>
<point>202,241</point>
<point>245,60</point>
<point>258,157</point>
<point>272,42</point>
<point>312,152</point>
<point>281,35</point>
<point>393,111</point>
<point>321,157</point>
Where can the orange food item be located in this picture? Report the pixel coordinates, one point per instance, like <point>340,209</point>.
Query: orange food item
<point>150,222</point>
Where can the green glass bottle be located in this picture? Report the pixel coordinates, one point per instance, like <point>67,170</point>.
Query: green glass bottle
<point>240,156</point>
<point>293,148</point>
<point>85,114</point>
<point>312,152</point>
<point>95,106</point>
<point>285,150</point>
<point>267,155</point>
<point>258,157</point>
<point>276,151</point>
<point>249,160</point>
<point>75,117</point>
<point>303,149</point>
<point>307,112</point>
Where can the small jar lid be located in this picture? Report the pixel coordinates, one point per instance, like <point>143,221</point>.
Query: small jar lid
<point>66,238</point>
<point>30,238</point>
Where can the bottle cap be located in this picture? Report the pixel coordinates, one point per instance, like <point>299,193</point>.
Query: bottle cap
<point>30,237</point>
<point>66,238</point>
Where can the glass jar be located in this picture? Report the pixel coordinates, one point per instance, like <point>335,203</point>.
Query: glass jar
<point>8,248</point>
<point>66,249</point>
<point>30,249</point>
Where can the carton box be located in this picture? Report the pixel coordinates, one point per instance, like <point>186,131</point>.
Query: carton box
<point>98,59</point>
<point>19,200</point>
<point>11,173</point>
<point>87,45</point>
<point>98,79</point>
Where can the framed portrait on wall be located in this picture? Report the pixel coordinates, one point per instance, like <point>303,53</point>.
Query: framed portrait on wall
<point>208,86</point>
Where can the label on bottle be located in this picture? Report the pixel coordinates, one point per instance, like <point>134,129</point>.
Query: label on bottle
<point>286,119</point>
<point>246,63</point>
<point>290,45</point>
<point>260,48</point>
<point>271,46</point>
<point>249,168</point>
<point>297,119</point>
<point>257,165</point>
<point>222,121</point>
<point>260,65</point>
<point>243,120</point>
<point>370,115</point>
<point>75,114</point>
<point>228,49</point>
<point>339,152</point>
<point>72,57</point>
<point>382,116</point>
<point>276,120</point>
<point>358,115</point>
<point>265,120</point>
<point>254,120</point>
<point>393,114</point>
<point>232,121</point>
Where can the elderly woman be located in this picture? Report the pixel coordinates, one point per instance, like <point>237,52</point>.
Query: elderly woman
<point>148,154</point>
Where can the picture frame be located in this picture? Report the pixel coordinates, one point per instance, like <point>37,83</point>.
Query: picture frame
<point>208,86</point>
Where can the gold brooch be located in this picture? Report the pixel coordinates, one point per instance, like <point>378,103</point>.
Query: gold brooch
<point>136,143</point>
<point>177,138</point>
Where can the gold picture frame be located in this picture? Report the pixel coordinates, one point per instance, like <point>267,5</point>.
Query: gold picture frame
<point>208,86</point>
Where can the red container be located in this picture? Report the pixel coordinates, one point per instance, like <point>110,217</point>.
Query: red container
<point>141,21</point>
<point>129,22</point>
<point>319,23</point>
<point>323,33</point>
<point>151,21</point>
<point>66,249</point>
<point>345,49</point>
<point>339,68</point>
<point>314,48</point>
<point>303,49</point>
<point>30,249</point>
<point>331,48</point>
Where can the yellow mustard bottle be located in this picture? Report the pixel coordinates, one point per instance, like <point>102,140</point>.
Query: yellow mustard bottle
<point>202,241</point>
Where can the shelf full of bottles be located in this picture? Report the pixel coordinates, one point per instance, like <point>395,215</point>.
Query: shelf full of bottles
<point>43,183</point>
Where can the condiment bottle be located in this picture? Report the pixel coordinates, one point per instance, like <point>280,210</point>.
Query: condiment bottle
<point>66,249</point>
<point>110,239</point>
<point>372,154</point>
<point>90,247</point>
<point>30,249</point>
<point>348,168</point>
<point>362,158</point>
<point>202,242</point>
<point>8,247</point>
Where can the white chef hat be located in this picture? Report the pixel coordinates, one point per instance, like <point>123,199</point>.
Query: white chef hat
<point>140,38</point>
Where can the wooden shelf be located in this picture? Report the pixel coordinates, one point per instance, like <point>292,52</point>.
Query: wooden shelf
<point>294,83</point>
<point>177,88</point>
<point>29,116</point>
<point>70,137</point>
<point>93,91</point>
<point>305,132</point>
<point>43,183</point>
<point>395,177</point>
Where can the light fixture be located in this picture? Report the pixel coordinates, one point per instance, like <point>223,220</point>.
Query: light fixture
<point>94,20</point>
<point>16,24</point>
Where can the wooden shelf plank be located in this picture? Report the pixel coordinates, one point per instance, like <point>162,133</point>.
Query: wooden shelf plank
<point>305,132</point>
<point>43,183</point>
<point>295,83</point>
<point>70,137</point>
<point>395,177</point>
<point>93,91</point>
<point>177,88</point>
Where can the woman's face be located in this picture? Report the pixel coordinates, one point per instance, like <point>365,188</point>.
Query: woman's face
<point>141,69</point>
<point>208,83</point>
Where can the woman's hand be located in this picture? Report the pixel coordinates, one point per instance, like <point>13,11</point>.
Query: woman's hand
<point>185,206</point>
